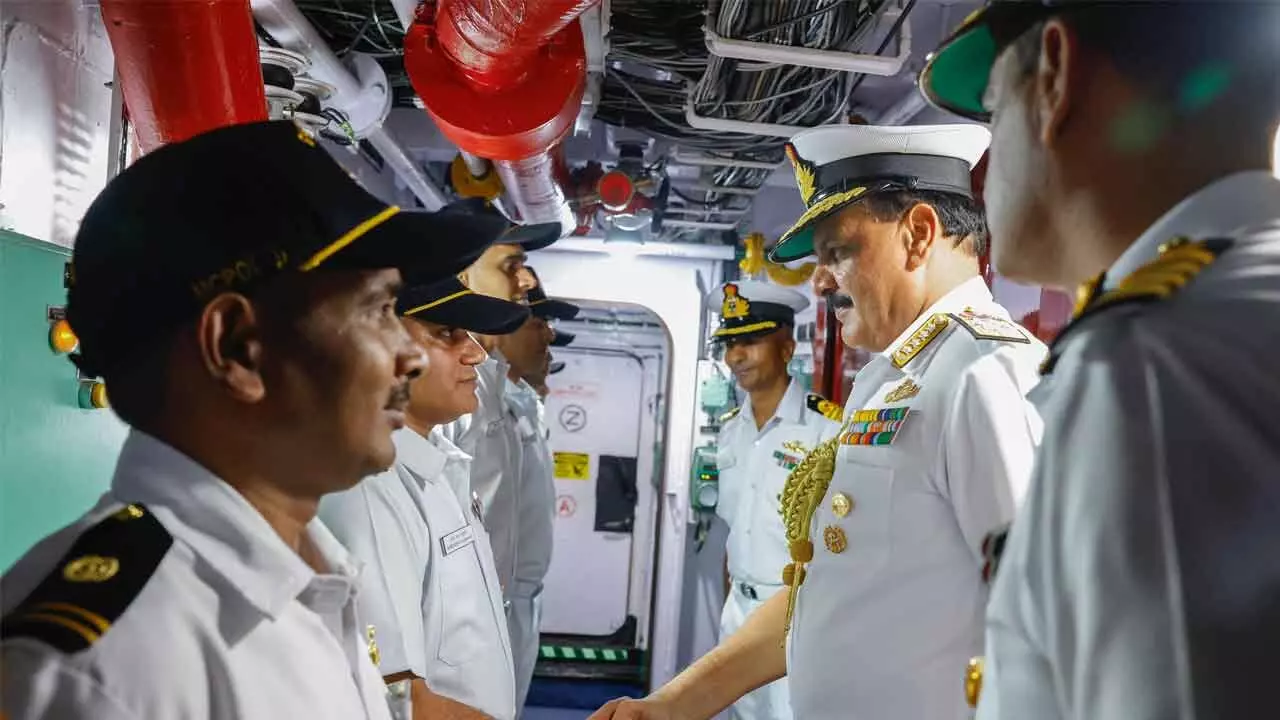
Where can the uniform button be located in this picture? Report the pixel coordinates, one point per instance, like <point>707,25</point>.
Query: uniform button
<point>841,504</point>
<point>834,538</point>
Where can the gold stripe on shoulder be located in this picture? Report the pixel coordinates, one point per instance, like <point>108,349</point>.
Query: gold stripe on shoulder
<point>920,339</point>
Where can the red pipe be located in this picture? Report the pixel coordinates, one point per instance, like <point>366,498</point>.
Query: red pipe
<point>503,80</point>
<point>492,43</point>
<point>185,66</point>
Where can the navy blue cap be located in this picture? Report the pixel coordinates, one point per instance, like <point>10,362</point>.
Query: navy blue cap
<point>549,308</point>
<point>450,303</point>
<point>531,237</point>
<point>562,338</point>
<point>229,210</point>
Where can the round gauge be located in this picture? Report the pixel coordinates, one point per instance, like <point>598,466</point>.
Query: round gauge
<point>708,495</point>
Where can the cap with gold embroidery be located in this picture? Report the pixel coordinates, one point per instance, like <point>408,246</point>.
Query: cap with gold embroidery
<point>837,165</point>
<point>226,211</point>
<point>748,308</point>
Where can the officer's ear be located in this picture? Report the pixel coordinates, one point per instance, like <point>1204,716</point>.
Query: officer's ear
<point>923,229</point>
<point>229,337</point>
<point>1057,80</point>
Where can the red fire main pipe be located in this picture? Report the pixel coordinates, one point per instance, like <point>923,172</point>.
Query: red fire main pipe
<point>185,66</point>
<point>492,43</point>
<point>503,79</point>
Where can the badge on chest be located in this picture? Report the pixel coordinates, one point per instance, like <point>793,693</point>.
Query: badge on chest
<point>458,539</point>
<point>874,426</point>
<point>790,455</point>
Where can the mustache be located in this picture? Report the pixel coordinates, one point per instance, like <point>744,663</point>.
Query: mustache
<point>839,301</point>
<point>399,397</point>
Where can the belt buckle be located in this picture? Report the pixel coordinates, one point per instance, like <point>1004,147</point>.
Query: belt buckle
<point>748,591</point>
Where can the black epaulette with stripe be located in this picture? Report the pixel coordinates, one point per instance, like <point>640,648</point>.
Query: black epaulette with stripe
<point>1179,262</point>
<point>824,407</point>
<point>93,584</point>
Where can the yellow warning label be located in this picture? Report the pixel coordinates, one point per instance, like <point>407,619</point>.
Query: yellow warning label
<point>572,466</point>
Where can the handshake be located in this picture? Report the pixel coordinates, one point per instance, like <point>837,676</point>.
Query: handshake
<point>649,708</point>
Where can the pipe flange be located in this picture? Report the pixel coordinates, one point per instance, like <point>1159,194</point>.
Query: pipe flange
<point>295,62</point>
<point>487,186</point>
<point>310,86</point>
<point>368,110</point>
<point>281,102</point>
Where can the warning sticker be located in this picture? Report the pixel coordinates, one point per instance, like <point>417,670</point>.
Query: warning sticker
<point>572,466</point>
<point>566,506</point>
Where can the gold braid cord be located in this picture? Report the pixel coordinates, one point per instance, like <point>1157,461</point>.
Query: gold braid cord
<point>805,488</point>
<point>754,262</point>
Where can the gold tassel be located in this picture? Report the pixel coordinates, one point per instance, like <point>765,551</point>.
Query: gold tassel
<point>806,486</point>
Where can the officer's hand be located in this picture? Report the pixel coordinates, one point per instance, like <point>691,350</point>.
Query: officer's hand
<point>627,709</point>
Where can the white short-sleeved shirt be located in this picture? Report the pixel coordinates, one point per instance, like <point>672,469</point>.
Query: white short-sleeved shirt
<point>174,598</point>
<point>429,585</point>
<point>535,535</point>
<point>1139,581</point>
<point>893,613</point>
<point>491,437</point>
<point>754,464</point>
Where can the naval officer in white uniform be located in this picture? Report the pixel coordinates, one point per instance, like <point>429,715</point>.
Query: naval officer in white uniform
<point>236,292</point>
<point>527,351</point>
<point>490,435</point>
<point>759,444</point>
<point>1139,581</point>
<point>429,584</point>
<point>886,523</point>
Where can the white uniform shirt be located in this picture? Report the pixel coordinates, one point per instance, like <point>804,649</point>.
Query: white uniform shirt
<point>231,625</point>
<point>491,438</point>
<point>754,465</point>
<point>537,486</point>
<point>429,585</point>
<point>1139,580</point>
<point>534,535</point>
<point>883,629</point>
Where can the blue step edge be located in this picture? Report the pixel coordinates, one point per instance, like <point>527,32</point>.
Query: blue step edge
<point>578,694</point>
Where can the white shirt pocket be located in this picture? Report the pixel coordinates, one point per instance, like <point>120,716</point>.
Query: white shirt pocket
<point>465,612</point>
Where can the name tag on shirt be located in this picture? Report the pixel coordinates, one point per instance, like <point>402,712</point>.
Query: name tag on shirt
<point>457,540</point>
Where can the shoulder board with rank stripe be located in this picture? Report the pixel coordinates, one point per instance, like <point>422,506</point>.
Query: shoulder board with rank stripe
<point>825,407</point>
<point>990,327</point>
<point>93,584</point>
<point>1179,262</point>
<point>730,415</point>
<point>920,339</point>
